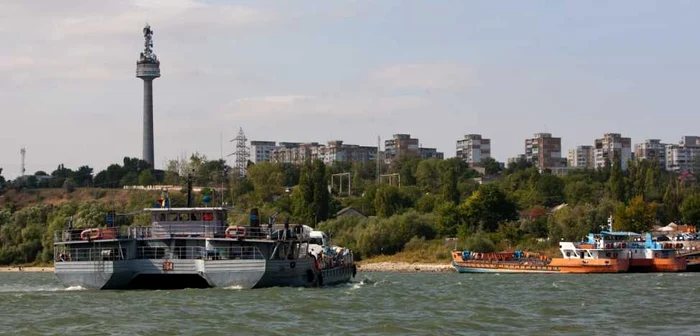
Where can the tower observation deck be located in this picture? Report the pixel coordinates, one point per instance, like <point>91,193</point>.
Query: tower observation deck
<point>148,69</point>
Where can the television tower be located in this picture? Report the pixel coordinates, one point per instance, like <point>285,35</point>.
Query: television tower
<point>148,69</point>
<point>23,151</point>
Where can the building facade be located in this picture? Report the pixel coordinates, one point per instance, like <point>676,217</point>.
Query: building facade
<point>652,150</point>
<point>298,153</point>
<point>581,157</point>
<point>402,145</point>
<point>544,151</point>
<point>261,151</point>
<point>685,156</point>
<point>473,148</point>
<point>610,147</point>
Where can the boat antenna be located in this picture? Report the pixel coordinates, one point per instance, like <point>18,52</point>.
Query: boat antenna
<point>610,223</point>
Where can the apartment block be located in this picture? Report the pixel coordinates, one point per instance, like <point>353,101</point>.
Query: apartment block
<point>261,151</point>
<point>685,156</point>
<point>298,153</point>
<point>402,145</point>
<point>652,150</point>
<point>430,153</point>
<point>581,157</point>
<point>473,148</point>
<point>610,147</point>
<point>544,151</point>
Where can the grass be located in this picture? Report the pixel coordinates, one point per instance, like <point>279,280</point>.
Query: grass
<point>418,250</point>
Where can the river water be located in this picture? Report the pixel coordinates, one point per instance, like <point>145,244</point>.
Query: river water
<point>375,304</point>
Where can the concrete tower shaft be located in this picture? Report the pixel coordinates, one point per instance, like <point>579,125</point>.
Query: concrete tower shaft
<point>148,69</point>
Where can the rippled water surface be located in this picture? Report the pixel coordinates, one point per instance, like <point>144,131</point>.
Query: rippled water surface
<point>375,304</point>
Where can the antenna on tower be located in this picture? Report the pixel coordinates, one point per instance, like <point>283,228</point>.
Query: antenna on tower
<point>241,154</point>
<point>23,151</point>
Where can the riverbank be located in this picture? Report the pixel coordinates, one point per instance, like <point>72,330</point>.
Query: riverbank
<point>28,269</point>
<point>404,267</point>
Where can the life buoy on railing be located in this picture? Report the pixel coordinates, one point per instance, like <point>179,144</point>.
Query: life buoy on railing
<point>90,234</point>
<point>235,232</point>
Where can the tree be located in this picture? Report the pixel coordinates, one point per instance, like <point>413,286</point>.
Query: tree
<point>407,170</point>
<point>491,166</point>
<point>303,196</point>
<point>146,178</point>
<point>2,180</point>
<point>638,216</point>
<point>672,200</point>
<point>487,207</point>
<point>690,209</point>
<point>427,176</point>
<point>266,178</point>
<point>387,200</point>
<point>321,198</point>
<point>450,170</point>
<point>83,176</point>
<point>69,185</point>
<point>616,183</point>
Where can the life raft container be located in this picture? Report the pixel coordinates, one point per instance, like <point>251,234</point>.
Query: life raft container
<point>235,232</point>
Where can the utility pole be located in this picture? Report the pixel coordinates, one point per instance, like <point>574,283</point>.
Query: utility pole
<point>241,154</point>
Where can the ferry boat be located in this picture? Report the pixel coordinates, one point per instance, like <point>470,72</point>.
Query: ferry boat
<point>193,247</point>
<point>644,254</point>
<point>578,257</point>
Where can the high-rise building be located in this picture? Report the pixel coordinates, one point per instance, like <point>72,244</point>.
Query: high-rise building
<point>401,145</point>
<point>261,151</point>
<point>430,153</point>
<point>148,69</point>
<point>473,148</point>
<point>610,147</point>
<point>544,151</point>
<point>652,150</point>
<point>581,157</point>
<point>685,156</point>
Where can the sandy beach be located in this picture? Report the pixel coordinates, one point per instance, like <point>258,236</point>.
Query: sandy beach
<point>404,267</point>
<point>8,269</point>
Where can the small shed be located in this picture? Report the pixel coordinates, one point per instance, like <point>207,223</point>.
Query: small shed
<point>350,211</point>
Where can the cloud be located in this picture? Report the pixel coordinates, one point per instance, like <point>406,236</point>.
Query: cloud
<point>295,105</point>
<point>452,77</point>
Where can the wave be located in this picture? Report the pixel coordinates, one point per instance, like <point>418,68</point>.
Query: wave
<point>237,287</point>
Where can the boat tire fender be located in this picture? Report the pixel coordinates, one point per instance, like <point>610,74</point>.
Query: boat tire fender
<point>354,270</point>
<point>292,264</point>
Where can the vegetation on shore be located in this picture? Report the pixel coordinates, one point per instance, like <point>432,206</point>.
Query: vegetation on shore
<point>491,209</point>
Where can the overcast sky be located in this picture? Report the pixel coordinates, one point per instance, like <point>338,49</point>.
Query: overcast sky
<point>324,70</point>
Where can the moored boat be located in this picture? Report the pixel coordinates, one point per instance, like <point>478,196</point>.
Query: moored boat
<point>576,258</point>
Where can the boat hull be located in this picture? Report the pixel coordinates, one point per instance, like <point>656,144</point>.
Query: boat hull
<point>239,274</point>
<point>678,264</point>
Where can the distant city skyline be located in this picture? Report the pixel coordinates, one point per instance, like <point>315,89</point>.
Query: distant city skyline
<point>300,71</point>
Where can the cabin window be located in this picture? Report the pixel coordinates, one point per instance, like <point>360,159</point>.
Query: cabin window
<point>160,217</point>
<point>607,255</point>
<point>194,216</point>
<point>173,217</point>
<point>568,254</point>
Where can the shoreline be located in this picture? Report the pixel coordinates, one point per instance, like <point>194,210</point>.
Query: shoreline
<point>26,269</point>
<point>404,267</point>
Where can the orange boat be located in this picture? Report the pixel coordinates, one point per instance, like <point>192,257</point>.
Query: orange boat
<point>576,258</point>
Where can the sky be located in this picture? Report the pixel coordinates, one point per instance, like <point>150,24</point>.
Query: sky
<point>348,70</point>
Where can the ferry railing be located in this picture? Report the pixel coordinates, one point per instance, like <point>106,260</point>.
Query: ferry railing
<point>234,253</point>
<point>89,234</point>
<point>89,254</point>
